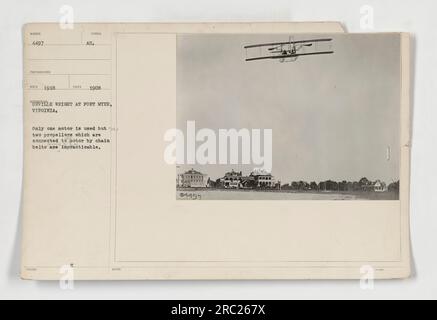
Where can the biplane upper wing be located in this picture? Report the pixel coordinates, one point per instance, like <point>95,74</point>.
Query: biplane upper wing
<point>284,43</point>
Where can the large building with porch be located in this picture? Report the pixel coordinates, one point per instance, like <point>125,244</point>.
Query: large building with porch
<point>263,179</point>
<point>192,179</point>
<point>256,180</point>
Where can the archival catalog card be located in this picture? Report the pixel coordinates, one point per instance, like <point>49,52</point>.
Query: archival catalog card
<point>215,151</point>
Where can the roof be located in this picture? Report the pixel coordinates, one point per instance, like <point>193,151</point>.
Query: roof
<point>260,172</point>
<point>233,173</point>
<point>192,171</point>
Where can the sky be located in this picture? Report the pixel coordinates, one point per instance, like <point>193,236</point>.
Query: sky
<point>332,116</point>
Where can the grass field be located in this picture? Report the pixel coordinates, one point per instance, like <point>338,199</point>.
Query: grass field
<point>216,194</point>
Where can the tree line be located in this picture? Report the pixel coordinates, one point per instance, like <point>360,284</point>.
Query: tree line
<point>363,184</point>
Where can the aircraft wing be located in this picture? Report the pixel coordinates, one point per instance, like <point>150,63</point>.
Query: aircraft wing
<point>284,43</point>
<point>289,56</point>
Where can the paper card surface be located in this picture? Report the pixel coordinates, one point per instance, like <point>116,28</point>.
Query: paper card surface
<point>215,151</point>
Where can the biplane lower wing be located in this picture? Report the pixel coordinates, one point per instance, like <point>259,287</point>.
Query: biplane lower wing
<point>289,56</point>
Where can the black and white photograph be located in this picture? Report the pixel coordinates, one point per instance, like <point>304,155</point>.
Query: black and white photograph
<point>288,117</point>
<point>218,158</point>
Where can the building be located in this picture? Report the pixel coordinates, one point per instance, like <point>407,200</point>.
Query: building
<point>192,179</point>
<point>248,182</point>
<point>232,180</point>
<point>263,179</point>
<point>256,180</point>
<point>379,186</point>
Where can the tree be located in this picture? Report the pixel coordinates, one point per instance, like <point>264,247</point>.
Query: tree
<point>314,186</point>
<point>356,186</point>
<point>342,186</point>
<point>394,186</point>
<point>364,182</point>
<point>303,186</point>
<point>294,185</point>
<point>322,186</point>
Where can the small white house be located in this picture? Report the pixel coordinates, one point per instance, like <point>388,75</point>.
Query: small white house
<point>379,186</point>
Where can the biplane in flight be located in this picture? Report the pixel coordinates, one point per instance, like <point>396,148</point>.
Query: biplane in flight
<point>289,51</point>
